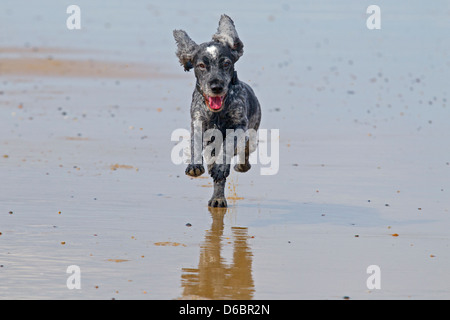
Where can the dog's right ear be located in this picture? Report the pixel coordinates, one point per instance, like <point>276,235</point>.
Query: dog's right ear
<point>186,49</point>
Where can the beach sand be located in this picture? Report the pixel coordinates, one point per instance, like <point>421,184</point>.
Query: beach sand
<point>87,179</point>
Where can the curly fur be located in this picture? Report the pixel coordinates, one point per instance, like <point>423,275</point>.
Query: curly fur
<point>213,64</point>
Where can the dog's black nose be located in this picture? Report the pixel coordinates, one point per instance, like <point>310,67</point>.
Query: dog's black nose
<point>216,86</point>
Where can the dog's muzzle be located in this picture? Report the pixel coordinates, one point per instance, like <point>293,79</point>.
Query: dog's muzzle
<point>215,104</point>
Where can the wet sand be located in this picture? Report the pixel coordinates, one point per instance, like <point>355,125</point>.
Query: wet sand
<point>364,174</point>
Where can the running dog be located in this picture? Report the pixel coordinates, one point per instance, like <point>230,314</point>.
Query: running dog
<point>220,101</point>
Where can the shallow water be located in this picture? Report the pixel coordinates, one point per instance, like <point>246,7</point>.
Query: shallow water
<point>85,124</point>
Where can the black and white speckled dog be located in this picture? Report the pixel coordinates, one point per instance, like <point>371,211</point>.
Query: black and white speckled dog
<point>220,101</point>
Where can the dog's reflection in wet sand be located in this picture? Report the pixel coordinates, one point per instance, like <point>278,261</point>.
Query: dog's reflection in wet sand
<point>214,278</point>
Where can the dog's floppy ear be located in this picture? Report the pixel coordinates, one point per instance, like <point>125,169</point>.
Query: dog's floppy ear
<point>186,49</point>
<point>227,35</point>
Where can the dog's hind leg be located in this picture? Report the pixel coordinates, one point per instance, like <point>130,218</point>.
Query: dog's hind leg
<point>218,198</point>
<point>219,173</point>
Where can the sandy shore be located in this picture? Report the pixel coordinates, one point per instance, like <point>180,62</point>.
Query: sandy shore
<point>87,178</point>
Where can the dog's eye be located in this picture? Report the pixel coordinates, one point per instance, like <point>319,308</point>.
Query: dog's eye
<point>226,64</point>
<point>201,66</point>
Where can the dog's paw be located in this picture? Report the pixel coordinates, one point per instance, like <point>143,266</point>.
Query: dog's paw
<point>218,203</point>
<point>195,170</point>
<point>219,171</point>
<point>242,167</point>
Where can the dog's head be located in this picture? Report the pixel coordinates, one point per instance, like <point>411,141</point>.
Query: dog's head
<point>213,62</point>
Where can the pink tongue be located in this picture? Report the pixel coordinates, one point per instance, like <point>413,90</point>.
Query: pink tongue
<point>215,102</point>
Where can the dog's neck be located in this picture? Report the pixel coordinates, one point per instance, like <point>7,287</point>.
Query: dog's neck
<point>234,80</point>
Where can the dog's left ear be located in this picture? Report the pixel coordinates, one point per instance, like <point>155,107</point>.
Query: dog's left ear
<point>186,49</point>
<point>227,35</point>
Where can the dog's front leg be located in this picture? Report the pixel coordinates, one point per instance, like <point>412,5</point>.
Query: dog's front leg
<point>238,143</point>
<point>242,148</point>
<point>195,168</point>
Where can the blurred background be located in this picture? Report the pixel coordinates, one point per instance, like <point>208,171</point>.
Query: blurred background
<point>85,123</point>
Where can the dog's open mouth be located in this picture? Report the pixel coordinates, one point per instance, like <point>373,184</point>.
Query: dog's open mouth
<point>214,103</point>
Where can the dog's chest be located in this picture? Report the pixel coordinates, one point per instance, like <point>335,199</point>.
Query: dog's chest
<point>219,121</point>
